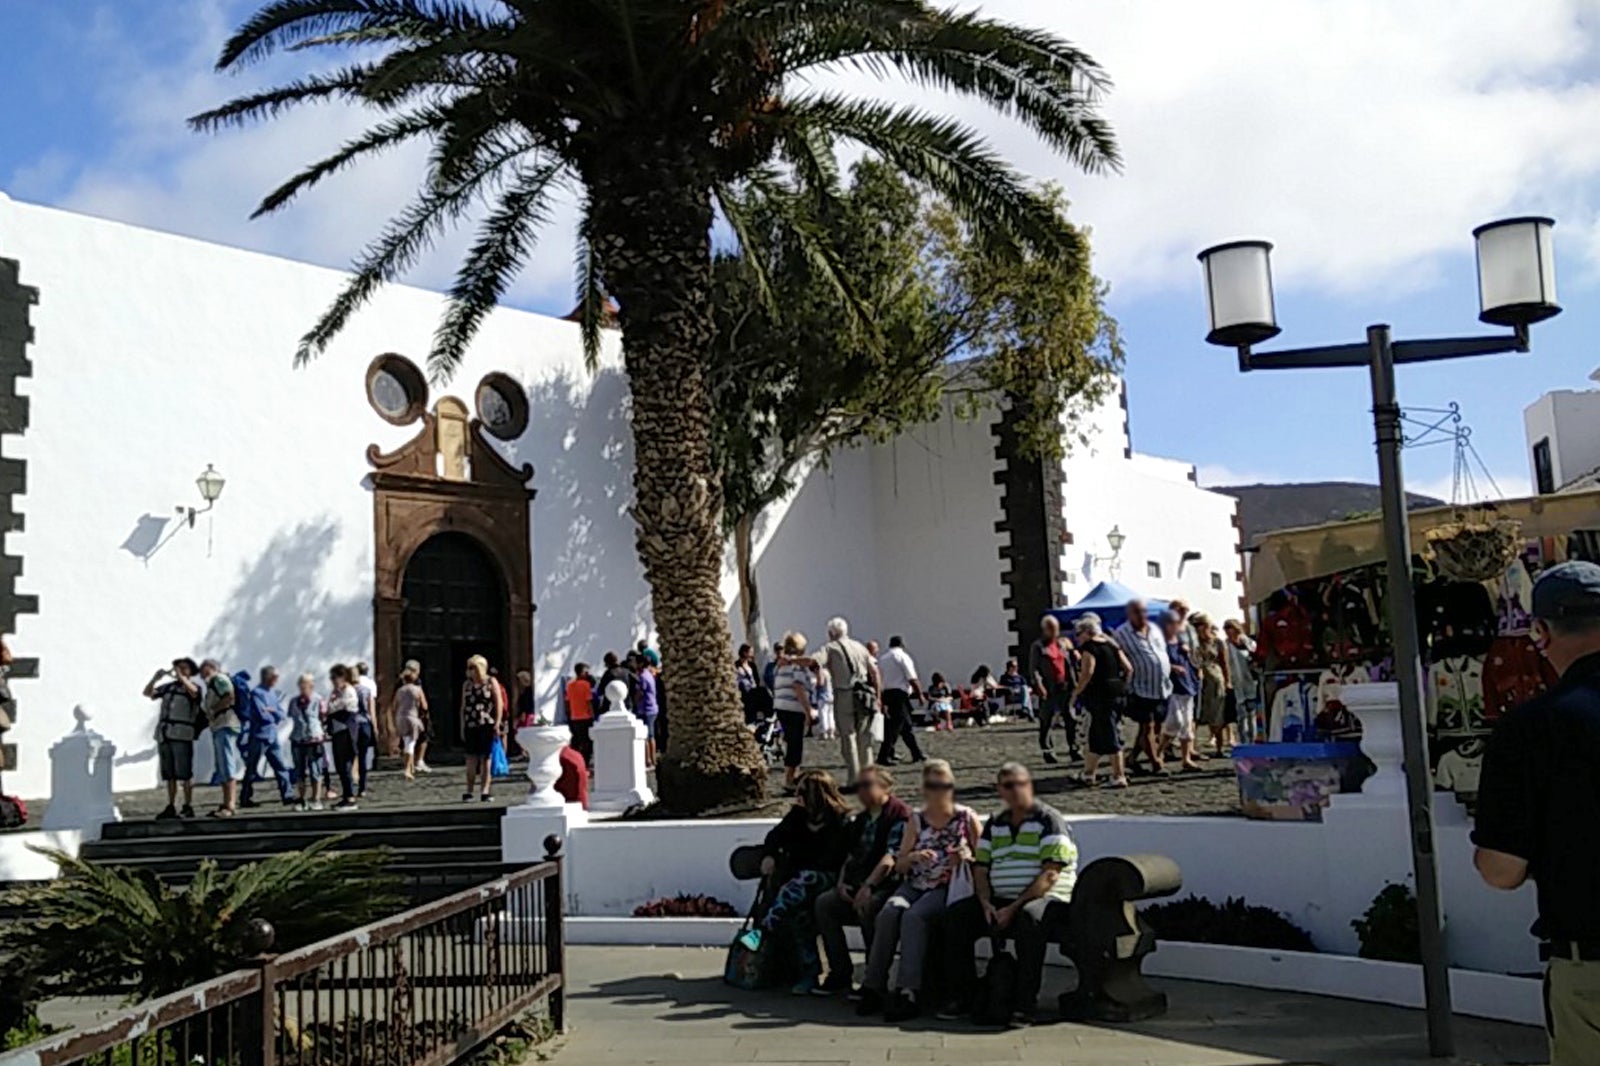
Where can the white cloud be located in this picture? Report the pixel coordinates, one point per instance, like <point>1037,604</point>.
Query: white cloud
<point>1365,137</point>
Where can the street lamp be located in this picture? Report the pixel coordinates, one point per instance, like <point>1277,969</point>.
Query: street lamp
<point>1115,540</point>
<point>1516,288</point>
<point>210,485</point>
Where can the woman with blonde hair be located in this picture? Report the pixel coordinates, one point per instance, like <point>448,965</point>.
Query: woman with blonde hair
<point>938,842</point>
<point>792,688</point>
<point>407,707</point>
<point>1211,663</point>
<point>482,710</point>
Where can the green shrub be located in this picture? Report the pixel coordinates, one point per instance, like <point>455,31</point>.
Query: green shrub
<point>1234,922</point>
<point>97,928</point>
<point>1390,930</point>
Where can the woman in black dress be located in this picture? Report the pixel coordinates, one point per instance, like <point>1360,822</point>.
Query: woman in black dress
<point>1103,672</point>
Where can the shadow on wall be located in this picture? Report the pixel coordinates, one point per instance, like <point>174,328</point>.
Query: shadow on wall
<point>588,585</point>
<point>146,537</point>
<point>281,610</point>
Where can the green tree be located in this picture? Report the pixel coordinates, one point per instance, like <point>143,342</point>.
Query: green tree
<point>99,927</point>
<point>854,318</point>
<point>651,110</point>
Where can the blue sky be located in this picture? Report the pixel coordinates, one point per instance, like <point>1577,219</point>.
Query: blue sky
<point>1365,138</point>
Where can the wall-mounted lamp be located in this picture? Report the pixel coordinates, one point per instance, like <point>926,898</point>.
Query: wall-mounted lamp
<point>1114,540</point>
<point>210,484</point>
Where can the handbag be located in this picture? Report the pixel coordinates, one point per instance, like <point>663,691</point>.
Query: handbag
<point>750,968</point>
<point>499,765</point>
<point>961,886</point>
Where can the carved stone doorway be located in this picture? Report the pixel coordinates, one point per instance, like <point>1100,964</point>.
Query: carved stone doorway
<point>453,569</point>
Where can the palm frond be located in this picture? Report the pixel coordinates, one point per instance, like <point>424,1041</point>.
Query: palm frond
<point>376,139</point>
<point>952,161</point>
<point>404,240</point>
<point>288,23</point>
<point>591,296</point>
<point>505,238</point>
<point>270,103</point>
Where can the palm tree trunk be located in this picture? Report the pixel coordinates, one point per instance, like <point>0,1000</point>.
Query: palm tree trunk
<point>755,626</point>
<point>650,225</point>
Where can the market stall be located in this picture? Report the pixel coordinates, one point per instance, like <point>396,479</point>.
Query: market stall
<point>1319,594</point>
<point>1109,600</point>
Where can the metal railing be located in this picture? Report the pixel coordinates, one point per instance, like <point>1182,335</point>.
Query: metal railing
<point>422,988</point>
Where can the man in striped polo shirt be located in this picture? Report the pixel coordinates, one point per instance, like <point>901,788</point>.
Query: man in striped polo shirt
<point>1023,874</point>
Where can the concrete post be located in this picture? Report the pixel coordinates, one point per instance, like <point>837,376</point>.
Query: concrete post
<point>619,772</point>
<point>81,795</point>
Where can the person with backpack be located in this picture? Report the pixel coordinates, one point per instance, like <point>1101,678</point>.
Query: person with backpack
<point>179,722</point>
<point>264,715</point>
<point>855,697</point>
<point>220,703</point>
<point>1023,875</point>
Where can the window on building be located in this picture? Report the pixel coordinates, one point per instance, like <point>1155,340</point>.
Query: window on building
<point>1216,580</point>
<point>1544,472</point>
<point>1152,568</point>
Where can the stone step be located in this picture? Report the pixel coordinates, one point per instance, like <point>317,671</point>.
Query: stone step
<point>275,819</point>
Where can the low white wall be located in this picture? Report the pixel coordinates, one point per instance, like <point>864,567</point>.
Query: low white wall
<point>1320,876</point>
<point>18,860</point>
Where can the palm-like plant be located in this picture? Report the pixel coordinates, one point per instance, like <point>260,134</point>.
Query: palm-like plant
<point>99,927</point>
<point>648,108</point>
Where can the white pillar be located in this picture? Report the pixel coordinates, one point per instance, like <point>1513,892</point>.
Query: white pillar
<point>619,773</point>
<point>545,812</point>
<point>81,795</point>
<point>1378,708</point>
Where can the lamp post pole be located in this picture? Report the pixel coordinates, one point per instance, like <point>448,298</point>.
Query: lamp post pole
<point>1408,673</point>
<point>1516,287</point>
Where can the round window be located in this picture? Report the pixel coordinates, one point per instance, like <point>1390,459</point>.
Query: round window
<point>396,389</point>
<point>502,406</point>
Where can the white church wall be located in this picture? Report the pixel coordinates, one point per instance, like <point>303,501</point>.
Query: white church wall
<point>936,503</point>
<point>816,555</point>
<point>155,355</point>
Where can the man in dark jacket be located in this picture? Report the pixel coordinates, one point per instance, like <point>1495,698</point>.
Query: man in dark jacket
<point>1539,803</point>
<point>867,877</point>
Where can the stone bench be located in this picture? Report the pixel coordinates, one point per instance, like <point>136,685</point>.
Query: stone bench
<point>1104,937</point>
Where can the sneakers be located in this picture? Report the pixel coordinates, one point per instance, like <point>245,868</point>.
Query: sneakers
<point>901,1008</point>
<point>1049,757</point>
<point>316,805</point>
<point>806,986</point>
<point>424,768</point>
<point>167,813</point>
<point>751,939</point>
<point>345,805</point>
<point>1020,1019</point>
<point>870,1003</point>
<point>248,803</point>
<point>186,812</point>
<point>951,1011</point>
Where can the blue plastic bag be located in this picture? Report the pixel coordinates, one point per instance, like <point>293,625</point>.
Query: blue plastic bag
<point>499,765</point>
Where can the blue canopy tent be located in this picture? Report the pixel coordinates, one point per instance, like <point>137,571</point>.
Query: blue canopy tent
<point>1109,600</point>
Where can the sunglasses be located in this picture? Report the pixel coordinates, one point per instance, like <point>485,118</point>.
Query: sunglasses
<point>1012,786</point>
<point>938,786</point>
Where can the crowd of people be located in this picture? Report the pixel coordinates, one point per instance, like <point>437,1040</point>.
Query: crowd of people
<point>925,883</point>
<point>1167,676</point>
<point>309,740</point>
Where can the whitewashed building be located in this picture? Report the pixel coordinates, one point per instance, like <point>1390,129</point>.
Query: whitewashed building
<point>134,359</point>
<point>1563,433</point>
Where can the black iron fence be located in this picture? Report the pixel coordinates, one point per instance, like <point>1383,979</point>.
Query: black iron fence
<point>422,988</point>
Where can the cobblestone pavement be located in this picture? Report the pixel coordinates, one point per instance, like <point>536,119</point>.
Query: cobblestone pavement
<point>975,753</point>
<point>669,1005</point>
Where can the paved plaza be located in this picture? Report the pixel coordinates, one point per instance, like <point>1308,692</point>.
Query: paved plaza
<point>975,753</point>
<point>669,1005</point>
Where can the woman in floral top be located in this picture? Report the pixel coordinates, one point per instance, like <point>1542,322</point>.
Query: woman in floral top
<point>938,842</point>
<point>482,709</point>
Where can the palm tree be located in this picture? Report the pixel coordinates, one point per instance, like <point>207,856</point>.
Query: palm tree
<point>649,109</point>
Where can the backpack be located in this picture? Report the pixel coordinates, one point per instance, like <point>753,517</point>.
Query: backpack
<point>997,989</point>
<point>241,693</point>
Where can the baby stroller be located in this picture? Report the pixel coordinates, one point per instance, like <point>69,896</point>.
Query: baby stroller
<point>762,719</point>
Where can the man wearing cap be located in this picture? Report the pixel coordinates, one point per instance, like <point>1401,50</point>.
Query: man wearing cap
<point>176,728</point>
<point>1539,803</point>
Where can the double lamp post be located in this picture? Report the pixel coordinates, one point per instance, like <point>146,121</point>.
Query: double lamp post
<point>1516,288</point>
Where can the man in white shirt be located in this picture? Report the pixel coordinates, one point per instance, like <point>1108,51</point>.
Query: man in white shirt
<point>898,674</point>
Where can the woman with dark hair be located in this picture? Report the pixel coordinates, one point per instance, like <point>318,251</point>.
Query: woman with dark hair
<point>806,850</point>
<point>344,710</point>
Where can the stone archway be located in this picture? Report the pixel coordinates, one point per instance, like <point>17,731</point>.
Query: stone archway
<point>447,479</point>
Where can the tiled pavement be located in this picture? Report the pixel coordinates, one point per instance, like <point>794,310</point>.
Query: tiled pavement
<point>669,1005</point>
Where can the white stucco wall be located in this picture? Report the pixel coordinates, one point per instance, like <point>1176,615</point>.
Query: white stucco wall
<point>1570,420</point>
<point>155,355</point>
<point>1160,512</point>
